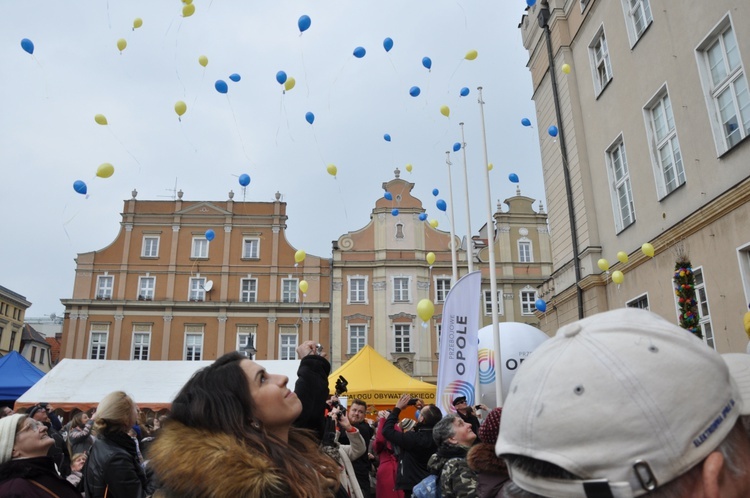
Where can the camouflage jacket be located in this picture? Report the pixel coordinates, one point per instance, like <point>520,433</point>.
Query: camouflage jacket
<point>457,480</point>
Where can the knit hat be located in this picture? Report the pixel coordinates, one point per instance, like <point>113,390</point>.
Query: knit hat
<point>625,400</point>
<point>407,424</point>
<point>8,435</point>
<point>490,427</point>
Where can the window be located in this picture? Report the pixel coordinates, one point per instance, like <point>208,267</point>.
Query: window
<point>193,346</point>
<point>528,302</point>
<point>12,340</point>
<point>488,302</point>
<point>357,290</point>
<point>399,230</point>
<point>619,177</point>
<point>246,340</point>
<point>42,356</point>
<point>150,247</point>
<point>250,248</point>
<point>141,342</point>
<point>104,286</point>
<point>439,332</point>
<point>725,84</point>
<point>197,289</point>
<point>287,345</point>
<point>357,338</point>
<point>98,346</point>
<point>200,247</point>
<point>146,286</point>
<point>400,289</point>
<point>637,18</point>
<point>703,312</point>
<point>248,290</point>
<point>442,286</point>
<point>402,336</point>
<point>33,354</point>
<point>665,148</point>
<point>524,251</point>
<point>584,3</point>
<point>289,290</point>
<point>640,302</point>
<point>601,67</point>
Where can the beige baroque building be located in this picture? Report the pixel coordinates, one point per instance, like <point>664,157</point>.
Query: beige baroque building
<point>13,307</point>
<point>163,291</point>
<point>655,115</point>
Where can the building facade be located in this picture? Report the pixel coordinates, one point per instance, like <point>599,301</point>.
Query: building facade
<point>36,349</point>
<point>654,118</point>
<point>13,308</point>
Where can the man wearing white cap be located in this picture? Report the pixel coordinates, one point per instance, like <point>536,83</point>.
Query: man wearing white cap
<point>625,404</point>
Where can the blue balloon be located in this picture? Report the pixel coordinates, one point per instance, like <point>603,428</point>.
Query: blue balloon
<point>281,77</point>
<point>435,192</point>
<point>540,305</point>
<point>422,216</point>
<point>244,179</point>
<point>456,146</point>
<point>387,44</point>
<point>388,196</point>
<point>464,91</point>
<point>441,205</point>
<point>526,122</point>
<point>309,117</point>
<point>234,77</point>
<point>28,46</point>
<point>303,23</point>
<point>427,62</point>
<point>80,187</point>
<point>414,91</point>
<point>210,235</point>
<point>394,212</point>
<point>387,137</point>
<point>359,52</point>
<point>531,3</point>
<point>513,177</point>
<point>221,86</point>
<point>552,130</point>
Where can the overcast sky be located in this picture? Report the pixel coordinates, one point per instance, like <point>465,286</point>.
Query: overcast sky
<point>49,138</point>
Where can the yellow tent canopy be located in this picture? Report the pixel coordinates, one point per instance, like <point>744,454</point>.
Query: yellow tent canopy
<point>376,381</point>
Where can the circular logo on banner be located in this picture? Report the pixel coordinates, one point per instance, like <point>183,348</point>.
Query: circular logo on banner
<point>454,390</point>
<point>486,366</point>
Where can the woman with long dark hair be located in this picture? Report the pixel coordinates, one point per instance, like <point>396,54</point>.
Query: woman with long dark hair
<point>231,433</point>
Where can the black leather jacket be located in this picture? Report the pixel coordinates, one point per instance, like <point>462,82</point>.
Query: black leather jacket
<point>416,448</point>
<point>113,463</point>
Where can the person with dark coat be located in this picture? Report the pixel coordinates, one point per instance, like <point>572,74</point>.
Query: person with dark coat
<point>464,411</point>
<point>356,414</point>
<point>44,413</point>
<point>312,389</point>
<point>453,437</point>
<point>416,446</point>
<point>25,469</point>
<point>80,438</point>
<point>492,474</point>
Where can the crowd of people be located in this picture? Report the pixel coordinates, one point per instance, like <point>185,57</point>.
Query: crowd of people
<point>618,405</point>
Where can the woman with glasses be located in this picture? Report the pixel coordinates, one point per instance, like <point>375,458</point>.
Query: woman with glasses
<point>25,469</point>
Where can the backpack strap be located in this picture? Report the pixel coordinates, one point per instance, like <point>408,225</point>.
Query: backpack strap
<point>45,488</point>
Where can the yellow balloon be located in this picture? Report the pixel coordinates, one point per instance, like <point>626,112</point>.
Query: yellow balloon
<point>489,167</point>
<point>299,256</point>
<point>303,286</point>
<point>434,223</point>
<point>203,60</point>
<point>425,309</point>
<point>618,277</point>
<point>622,256</point>
<point>137,23</point>
<point>289,83</point>
<point>105,170</point>
<point>648,250</point>
<point>188,10</point>
<point>603,264</point>
<point>445,111</point>
<point>100,119</point>
<point>187,2</point>
<point>409,168</point>
<point>471,55</point>
<point>332,170</point>
<point>121,44</point>
<point>430,258</point>
<point>566,68</point>
<point>180,107</point>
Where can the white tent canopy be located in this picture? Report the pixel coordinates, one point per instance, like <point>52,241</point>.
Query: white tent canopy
<point>152,384</point>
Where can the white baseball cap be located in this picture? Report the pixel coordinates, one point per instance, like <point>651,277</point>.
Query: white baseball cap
<point>625,400</point>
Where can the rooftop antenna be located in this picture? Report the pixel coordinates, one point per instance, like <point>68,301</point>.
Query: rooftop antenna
<point>173,190</point>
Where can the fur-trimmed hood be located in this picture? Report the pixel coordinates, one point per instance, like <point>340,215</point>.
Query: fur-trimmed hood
<point>194,463</point>
<point>482,458</point>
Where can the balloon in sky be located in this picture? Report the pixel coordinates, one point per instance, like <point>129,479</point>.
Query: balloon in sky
<point>435,192</point>
<point>552,130</point>
<point>427,62</point>
<point>566,68</point>
<point>332,170</point>
<point>359,52</point>
<point>303,23</point>
<point>434,223</point>
<point>244,179</point>
<point>394,212</point>
<point>289,83</point>
<point>445,111</point>
<point>618,277</point>
<point>441,205</point>
<point>387,137</point>
<point>622,256</point>
<point>80,187</point>
<point>409,167</point>
<point>465,91</point>
<point>489,167</point>
<point>235,77</point>
<point>540,304</point>
<point>299,256</point>
<point>414,91</point>
<point>648,250</point>
<point>180,107</point>
<point>456,146</point>
<point>513,177</point>
<point>530,3</point>
<point>309,117</point>
<point>121,44</point>
<point>187,2</point>
<point>188,10</point>
<point>388,44</point>
<point>105,170</point>
<point>137,23</point>
<point>422,216</point>
<point>388,196</point>
<point>430,258</point>
<point>303,286</point>
<point>471,55</point>
<point>526,122</point>
<point>203,60</point>
<point>100,119</point>
<point>425,309</point>
<point>221,86</point>
<point>210,235</point>
<point>27,45</point>
<point>281,77</point>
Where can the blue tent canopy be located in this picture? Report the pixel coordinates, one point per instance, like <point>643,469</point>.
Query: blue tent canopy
<point>17,375</point>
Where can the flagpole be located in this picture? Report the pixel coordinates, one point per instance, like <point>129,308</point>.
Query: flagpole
<point>491,248</point>
<point>453,235</point>
<point>469,240</point>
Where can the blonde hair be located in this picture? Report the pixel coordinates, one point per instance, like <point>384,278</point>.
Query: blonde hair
<point>114,413</point>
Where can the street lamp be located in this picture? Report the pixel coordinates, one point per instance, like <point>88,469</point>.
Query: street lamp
<point>249,349</point>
